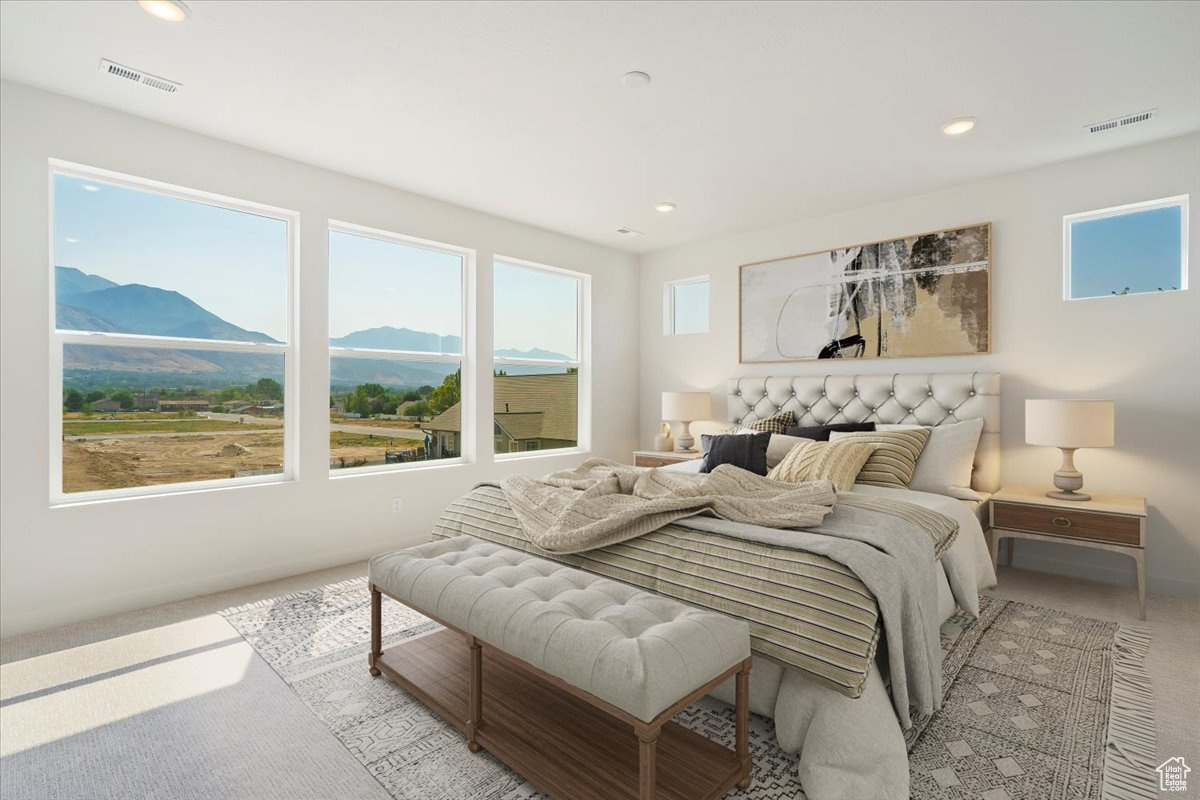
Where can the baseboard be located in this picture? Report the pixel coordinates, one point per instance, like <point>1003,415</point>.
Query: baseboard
<point>47,617</point>
<point>1160,584</point>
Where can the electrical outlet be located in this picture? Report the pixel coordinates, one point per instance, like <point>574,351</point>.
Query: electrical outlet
<point>396,504</point>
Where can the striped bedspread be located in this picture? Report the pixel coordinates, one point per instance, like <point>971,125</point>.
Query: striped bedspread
<point>804,610</point>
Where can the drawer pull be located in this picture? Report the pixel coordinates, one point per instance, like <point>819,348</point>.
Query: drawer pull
<point>1061,522</point>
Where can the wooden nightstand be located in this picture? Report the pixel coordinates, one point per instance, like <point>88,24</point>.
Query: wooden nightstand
<point>661,458</point>
<point>1114,522</point>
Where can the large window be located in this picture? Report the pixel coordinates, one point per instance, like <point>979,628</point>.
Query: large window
<point>540,365</point>
<point>396,349</point>
<point>172,344</point>
<point>1133,249</point>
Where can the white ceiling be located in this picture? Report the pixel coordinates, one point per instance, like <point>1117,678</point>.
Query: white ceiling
<point>758,113</point>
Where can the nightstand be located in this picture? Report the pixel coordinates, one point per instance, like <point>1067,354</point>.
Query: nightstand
<point>1113,522</point>
<point>661,458</point>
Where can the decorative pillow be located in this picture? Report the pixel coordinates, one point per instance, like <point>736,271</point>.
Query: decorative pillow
<point>893,462</point>
<point>821,433</point>
<point>776,423</point>
<point>779,447</point>
<point>741,450</point>
<point>946,463</point>
<point>838,462</point>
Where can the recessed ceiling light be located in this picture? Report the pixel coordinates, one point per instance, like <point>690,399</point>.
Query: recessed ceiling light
<point>629,232</point>
<point>664,208</point>
<point>166,10</point>
<point>90,187</point>
<point>635,79</point>
<point>959,126</point>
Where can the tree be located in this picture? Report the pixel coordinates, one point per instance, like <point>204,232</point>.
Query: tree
<point>125,398</point>
<point>411,396</point>
<point>419,409</point>
<point>94,395</point>
<point>73,400</point>
<point>370,398</point>
<point>267,389</point>
<point>425,390</point>
<point>447,394</point>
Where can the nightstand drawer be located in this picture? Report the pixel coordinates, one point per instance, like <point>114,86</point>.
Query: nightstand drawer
<point>1098,526</point>
<point>655,461</point>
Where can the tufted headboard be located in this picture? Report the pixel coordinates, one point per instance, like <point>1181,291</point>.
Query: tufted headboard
<point>936,399</point>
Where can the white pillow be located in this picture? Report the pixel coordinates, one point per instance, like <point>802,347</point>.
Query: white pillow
<point>946,463</point>
<point>779,446</point>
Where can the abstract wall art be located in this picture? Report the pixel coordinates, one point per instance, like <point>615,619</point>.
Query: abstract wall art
<point>922,295</point>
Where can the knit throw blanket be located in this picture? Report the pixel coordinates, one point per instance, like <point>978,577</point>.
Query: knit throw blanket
<point>602,502</point>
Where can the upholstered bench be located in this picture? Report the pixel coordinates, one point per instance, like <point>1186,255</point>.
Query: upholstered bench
<point>548,667</point>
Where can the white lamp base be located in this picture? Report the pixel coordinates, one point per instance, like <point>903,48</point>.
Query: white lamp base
<point>684,443</point>
<point>1068,479</point>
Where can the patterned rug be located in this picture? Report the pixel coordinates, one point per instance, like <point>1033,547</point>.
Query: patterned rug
<point>1026,715</point>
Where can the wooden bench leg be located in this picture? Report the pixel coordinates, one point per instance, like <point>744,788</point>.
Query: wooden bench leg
<point>474,694</point>
<point>647,763</point>
<point>742,717</point>
<point>376,634</point>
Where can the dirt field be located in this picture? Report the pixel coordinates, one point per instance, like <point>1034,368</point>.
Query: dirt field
<point>152,461</point>
<point>104,426</point>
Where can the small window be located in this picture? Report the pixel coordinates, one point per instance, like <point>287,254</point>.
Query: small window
<point>685,306</point>
<point>1135,249</point>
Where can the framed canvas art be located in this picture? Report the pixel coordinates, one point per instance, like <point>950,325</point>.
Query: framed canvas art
<point>922,295</point>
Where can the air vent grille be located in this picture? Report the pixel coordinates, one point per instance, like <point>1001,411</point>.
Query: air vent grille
<point>137,76</point>
<point>1121,122</point>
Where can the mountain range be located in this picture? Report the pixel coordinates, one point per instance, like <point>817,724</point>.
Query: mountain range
<point>88,302</point>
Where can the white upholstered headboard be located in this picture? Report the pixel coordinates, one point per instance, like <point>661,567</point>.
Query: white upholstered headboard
<point>936,399</point>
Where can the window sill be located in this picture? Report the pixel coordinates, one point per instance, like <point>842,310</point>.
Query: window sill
<point>387,469</point>
<point>76,499</point>
<point>530,455</point>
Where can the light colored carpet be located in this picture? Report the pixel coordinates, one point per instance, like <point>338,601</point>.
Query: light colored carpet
<point>1174,664</point>
<point>1027,710</point>
<point>182,710</point>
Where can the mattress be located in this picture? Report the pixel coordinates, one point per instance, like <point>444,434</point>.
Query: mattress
<point>980,508</point>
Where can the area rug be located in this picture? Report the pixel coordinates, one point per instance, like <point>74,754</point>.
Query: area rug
<point>1038,704</point>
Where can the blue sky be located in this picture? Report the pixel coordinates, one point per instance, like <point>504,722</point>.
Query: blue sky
<point>235,265</point>
<point>1139,250</point>
<point>373,283</point>
<point>232,263</point>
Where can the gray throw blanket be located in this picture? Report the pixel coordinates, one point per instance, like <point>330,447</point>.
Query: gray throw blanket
<point>602,502</point>
<point>890,545</point>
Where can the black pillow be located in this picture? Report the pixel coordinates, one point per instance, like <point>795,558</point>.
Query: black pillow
<point>745,450</point>
<point>821,433</point>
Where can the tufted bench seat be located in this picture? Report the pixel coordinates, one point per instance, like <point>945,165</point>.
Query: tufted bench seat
<point>635,655</point>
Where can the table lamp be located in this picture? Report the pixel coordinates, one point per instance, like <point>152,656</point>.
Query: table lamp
<point>686,407</point>
<point>1069,425</point>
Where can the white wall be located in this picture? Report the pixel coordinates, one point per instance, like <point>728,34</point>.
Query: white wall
<point>1142,351</point>
<point>63,564</point>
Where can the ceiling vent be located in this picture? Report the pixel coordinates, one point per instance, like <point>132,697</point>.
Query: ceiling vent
<point>146,79</point>
<point>1121,122</point>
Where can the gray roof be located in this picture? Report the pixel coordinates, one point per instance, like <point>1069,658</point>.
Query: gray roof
<point>527,407</point>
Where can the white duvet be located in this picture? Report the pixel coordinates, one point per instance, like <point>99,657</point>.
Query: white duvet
<point>853,748</point>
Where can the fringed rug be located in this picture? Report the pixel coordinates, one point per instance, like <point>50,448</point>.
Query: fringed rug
<point>1039,704</point>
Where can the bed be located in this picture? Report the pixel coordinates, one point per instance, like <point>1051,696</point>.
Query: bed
<point>841,723</point>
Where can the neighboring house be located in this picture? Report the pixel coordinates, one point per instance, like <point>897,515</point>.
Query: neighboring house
<point>530,412</point>
<point>183,405</point>
<point>106,405</point>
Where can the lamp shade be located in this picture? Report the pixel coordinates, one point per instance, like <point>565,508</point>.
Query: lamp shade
<point>686,406</point>
<point>1069,423</point>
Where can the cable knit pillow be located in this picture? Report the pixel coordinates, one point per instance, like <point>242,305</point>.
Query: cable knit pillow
<point>894,460</point>
<point>776,423</point>
<point>837,462</point>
